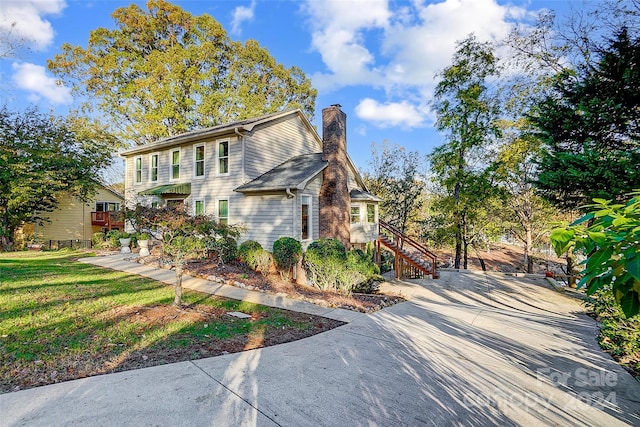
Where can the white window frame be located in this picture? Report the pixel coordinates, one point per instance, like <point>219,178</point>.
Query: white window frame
<point>375,213</point>
<point>195,206</point>
<point>218,157</point>
<point>218,200</point>
<point>351,215</point>
<point>137,179</point>
<point>306,198</point>
<point>195,161</point>
<point>157,168</point>
<point>171,165</point>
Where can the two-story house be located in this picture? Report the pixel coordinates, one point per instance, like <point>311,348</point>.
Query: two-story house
<point>272,174</point>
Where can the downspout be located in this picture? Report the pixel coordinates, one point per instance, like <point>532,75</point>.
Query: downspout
<point>292,196</point>
<point>241,138</point>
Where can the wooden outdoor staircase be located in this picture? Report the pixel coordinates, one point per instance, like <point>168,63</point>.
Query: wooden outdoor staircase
<point>412,259</point>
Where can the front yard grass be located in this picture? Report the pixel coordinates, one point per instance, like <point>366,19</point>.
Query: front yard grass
<point>61,320</point>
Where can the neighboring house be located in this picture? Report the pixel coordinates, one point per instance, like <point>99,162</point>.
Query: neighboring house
<point>272,174</point>
<point>77,220</point>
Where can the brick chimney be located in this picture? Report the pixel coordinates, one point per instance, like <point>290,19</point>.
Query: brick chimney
<point>335,202</point>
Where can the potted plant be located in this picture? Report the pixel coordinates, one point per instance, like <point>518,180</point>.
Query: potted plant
<point>125,241</point>
<point>143,243</point>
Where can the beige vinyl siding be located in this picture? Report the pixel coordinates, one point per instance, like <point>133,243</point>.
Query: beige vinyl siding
<point>72,219</point>
<point>267,217</point>
<point>272,143</point>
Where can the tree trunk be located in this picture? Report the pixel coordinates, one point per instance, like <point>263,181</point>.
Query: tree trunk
<point>456,263</point>
<point>528,260</point>
<point>465,242</point>
<point>571,261</point>
<point>178,288</point>
<point>482,264</point>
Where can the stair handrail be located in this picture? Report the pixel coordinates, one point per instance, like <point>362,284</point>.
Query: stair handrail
<point>400,235</point>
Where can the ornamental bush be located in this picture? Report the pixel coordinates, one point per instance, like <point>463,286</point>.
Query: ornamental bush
<point>97,240</point>
<point>287,251</point>
<point>247,252</point>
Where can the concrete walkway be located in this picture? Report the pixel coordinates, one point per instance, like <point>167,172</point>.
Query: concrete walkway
<point>467,349</point>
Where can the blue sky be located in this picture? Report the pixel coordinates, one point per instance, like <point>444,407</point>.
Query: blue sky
<point>377,58</point>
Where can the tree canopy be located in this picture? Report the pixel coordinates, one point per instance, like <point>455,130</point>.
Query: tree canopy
<point>590,126</point>
<point>466,111</point>
<point>42,157</point>
<point>164,71</point>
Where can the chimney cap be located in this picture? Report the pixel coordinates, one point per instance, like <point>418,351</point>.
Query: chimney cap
<point>336,105</point>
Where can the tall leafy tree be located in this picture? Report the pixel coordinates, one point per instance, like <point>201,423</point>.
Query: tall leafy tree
<point>591,128</point>
<point>42,157</point>
<point>164,71</point>
<point>395,178</point>
<point>466,110</point>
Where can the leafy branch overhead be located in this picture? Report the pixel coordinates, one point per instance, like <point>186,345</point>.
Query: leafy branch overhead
<point>610,237</point>
<point>163,71</point>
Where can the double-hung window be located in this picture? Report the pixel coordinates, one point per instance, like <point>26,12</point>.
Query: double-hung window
<point>355,214</point>
<point>175,164</point>
<point>223,157</point>
<point>305,215</point>
<point>223,211</point>
<point>153,168</point>
<point>107,206</point>
<point>137,161</point>
<point>371,213</point>
<point>198,161</point>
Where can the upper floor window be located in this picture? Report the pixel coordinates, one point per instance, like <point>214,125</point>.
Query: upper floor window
<point>355,214</point>
<point>223,157</point>
<point>223,211</point>
<point>198,158</point>
<point>175,164</point>
<point>306,218</point>
<point>371,213</point>
<point>107,206</point>
<point>138,169</point>
<point>153,170</point>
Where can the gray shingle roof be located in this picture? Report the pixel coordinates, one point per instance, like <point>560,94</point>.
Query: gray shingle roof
<point>356,194</point>
<point>295,173</point>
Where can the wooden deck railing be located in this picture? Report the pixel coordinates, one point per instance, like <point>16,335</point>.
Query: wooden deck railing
<point>411,257</point>
<point>108,220</point>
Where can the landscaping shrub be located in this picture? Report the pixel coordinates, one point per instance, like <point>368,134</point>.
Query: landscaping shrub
<point>363,264</point>
<point>263,262</point>
<point>325,263</point>
<point>247,252</point>
<point>330,267</point>
<point>225,248</point>
<point>286,254</point>
<point>112,238</point>
<point>620,336</point>
<point>98,240</point>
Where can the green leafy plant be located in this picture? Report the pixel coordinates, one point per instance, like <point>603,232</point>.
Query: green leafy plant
<point>287,251</point>
<point>144,236</point>
<point>609,235</point>
<point>247,252</point>
<point>326,264</point>
<point>98,239</point>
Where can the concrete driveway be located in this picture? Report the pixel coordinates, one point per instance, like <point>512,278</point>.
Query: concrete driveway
<point>468,349</point>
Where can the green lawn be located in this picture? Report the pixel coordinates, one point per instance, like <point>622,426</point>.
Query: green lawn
<point>60,319</point>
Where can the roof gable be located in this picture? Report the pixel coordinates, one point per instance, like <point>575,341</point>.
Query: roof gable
<point>247,125</point>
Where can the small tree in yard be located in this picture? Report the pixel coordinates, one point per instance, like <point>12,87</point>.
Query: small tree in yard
<point>183,237</point>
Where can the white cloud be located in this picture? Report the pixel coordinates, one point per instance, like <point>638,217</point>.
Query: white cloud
<point>399,47</point>
<point>401,114</point>
<point>338,30</point>
<point>23,20</point>
<point>33,78</point>
<point>242,14</point>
